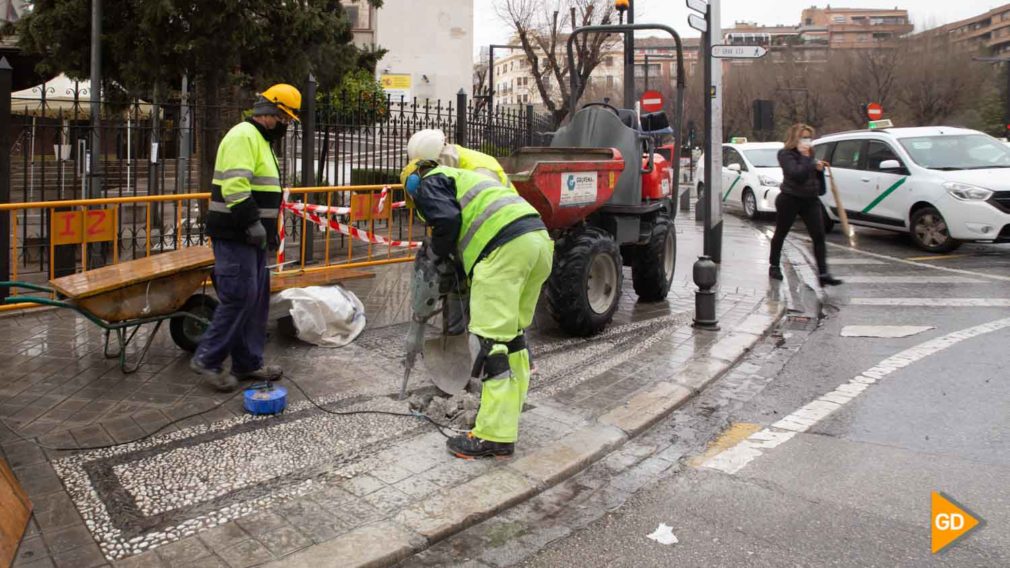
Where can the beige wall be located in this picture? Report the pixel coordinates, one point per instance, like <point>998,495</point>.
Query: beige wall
<point>433,45</point>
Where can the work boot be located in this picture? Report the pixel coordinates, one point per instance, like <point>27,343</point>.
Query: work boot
<point>470,446</point>
<point>828,280</point>
<point>775,273</point>
<point>220,379</point>
<point>264,373</point>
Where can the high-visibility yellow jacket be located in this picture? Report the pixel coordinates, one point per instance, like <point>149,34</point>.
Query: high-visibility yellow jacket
<point>470,214</point>
<point>246,186</point>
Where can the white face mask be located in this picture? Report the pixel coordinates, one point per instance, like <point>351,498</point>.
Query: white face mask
<point>806,142</point>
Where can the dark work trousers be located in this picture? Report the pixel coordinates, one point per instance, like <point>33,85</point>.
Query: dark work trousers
<point>239,326</point>
<point>787,207</point>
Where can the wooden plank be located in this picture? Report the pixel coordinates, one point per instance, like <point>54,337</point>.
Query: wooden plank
<point>93,282</point>
<point>15,509</point>
<point>301,279</point>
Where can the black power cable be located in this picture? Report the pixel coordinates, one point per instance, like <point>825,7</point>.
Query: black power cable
<point>311,400</point>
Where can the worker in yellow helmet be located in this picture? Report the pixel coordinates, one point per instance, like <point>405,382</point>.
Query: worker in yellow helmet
<point>242,223</point>
<point>430,144</point>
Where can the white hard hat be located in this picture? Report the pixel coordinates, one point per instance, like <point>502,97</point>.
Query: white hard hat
<point>425,144</point>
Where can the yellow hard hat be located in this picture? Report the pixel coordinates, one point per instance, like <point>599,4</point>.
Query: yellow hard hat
<point>286,97</point>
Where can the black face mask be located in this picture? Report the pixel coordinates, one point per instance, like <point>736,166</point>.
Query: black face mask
<point>277,132</point>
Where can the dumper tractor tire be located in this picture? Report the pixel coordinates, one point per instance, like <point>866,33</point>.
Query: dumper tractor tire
<point>585,285</point>
<point>186,332</point>
<point>654,263</point>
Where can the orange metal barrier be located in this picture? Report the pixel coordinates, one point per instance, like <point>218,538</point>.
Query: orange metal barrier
<point>351,209</point>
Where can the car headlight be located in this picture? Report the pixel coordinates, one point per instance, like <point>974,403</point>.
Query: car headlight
<point>769,181</point>
<point>967,192</point>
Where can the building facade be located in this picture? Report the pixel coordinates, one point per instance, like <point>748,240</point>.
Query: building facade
<point>429,52</point>
<point>822,30</point>
<point>515,85</point>
<point>987,33</point>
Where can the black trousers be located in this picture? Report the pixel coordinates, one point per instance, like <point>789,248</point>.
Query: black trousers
<point>787,207</point>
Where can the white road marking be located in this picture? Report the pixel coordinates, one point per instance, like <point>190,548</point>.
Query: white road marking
<point>910,279</point>
<point>934,302</point>
<point>888,331</point>
<point>736,458</point>
<point>920,264</point>
<point>853,262</point>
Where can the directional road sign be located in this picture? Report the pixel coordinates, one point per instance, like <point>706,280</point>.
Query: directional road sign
<point>697,22</point>
<point>738,51</point>
<point>699,6</point>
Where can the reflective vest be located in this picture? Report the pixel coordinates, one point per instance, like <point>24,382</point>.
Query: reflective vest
<point>472,160</point>
<point>487,208</point>
<point>245,169</point>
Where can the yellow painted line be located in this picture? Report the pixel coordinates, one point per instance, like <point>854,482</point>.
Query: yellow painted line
<point>730,437</point>
<point>936,257</point>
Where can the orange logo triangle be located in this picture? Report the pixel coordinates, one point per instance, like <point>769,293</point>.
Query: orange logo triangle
<point>949,522</point>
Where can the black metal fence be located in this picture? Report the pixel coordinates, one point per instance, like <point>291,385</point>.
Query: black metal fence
<point>149,149</point>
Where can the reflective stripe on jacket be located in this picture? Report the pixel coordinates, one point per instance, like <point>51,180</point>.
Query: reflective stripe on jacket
<point>473,160</point>
<point>246,184</point>
<point>485,208</point>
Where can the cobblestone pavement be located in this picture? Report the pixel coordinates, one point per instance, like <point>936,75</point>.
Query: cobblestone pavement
<point>228,489</point>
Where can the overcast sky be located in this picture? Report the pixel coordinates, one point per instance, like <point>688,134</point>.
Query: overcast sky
<point>924,13</point>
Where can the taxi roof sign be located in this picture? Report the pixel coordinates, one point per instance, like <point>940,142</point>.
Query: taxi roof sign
<point>878,124</point>
<point>738,140</point>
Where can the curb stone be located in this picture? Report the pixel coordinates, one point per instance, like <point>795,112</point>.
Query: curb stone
<point>454,510</point>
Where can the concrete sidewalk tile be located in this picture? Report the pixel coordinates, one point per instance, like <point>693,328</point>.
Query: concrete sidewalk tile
<point>455,509</point>
<point>380,544</point>
<point>561,460</point>
<point>700,372</point>
<point>245,553</point>
<point>644,409</point>
<point>732,346</point>
<point>756,323</point>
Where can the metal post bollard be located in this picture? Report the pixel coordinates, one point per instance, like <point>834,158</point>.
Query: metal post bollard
<point>705,274</point>
<point>699,206</point>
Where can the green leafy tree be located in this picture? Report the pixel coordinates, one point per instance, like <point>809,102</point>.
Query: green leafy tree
<point>226,47</point>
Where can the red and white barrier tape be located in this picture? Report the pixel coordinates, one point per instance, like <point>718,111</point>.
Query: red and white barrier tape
<point>350,231</point>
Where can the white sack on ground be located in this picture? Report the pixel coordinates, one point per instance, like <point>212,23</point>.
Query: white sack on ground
<point>329,316</point>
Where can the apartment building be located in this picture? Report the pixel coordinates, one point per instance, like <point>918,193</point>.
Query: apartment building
<point>821,30</point>
<point>515,85</point>
<point>987,33</point>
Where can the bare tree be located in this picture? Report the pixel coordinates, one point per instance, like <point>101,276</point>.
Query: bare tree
<point>543,28</point>
<point>863,76</point>
<point>936,81</point>
<point>480,83</point>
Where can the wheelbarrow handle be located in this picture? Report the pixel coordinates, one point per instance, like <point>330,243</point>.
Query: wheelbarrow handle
<point>37,300</point>
<point>26,286</point>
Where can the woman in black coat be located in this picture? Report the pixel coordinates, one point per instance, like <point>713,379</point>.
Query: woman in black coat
<point>802,186</point>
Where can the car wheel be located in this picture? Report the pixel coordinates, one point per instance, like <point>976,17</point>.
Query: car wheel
<point>930,231</point>
<point>750,205</point>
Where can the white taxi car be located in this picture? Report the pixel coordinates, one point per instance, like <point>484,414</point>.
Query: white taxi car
<point>750,177</point>
<point>942,185</point>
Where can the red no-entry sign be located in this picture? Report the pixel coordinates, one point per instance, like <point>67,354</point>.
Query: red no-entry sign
<point>652,101</point>
<point>874,111</point>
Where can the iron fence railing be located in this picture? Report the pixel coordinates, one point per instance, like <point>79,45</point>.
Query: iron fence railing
<point>150,149</point>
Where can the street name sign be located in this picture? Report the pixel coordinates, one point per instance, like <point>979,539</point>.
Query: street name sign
<point>699,6</point>
<point>697,22</point>
<point>738,51</point>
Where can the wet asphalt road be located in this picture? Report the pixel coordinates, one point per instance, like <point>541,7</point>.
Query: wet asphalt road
<point>852,490</point>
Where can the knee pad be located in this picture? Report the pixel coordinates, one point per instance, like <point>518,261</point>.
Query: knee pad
<point>490,358</point>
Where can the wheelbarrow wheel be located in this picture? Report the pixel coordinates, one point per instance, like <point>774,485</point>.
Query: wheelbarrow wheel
<point>186,331</point>
<point>585,285</point>
<point>652,269</point>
